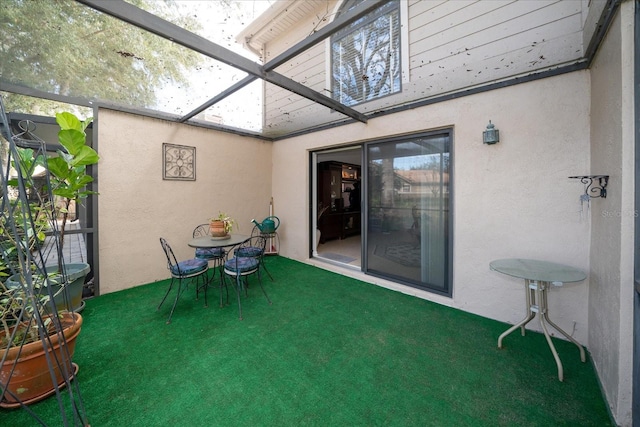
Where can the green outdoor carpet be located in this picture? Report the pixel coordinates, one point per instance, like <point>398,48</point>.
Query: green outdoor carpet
<point>330,351</point>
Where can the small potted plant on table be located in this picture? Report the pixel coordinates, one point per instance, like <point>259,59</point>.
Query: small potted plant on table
<point>221,225</point>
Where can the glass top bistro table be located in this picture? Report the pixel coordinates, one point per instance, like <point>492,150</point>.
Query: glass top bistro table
<point>217,242</point>
<point>538,277</point>
<point>209,242</point>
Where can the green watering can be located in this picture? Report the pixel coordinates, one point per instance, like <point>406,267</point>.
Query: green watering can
<point>268,224</point>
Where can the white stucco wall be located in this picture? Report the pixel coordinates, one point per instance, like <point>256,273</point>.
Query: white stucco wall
<point>612,153</point>
<point>137,207</point>
<point>513,199</point>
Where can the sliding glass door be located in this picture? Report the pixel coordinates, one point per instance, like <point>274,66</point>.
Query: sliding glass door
<point>407,235</point>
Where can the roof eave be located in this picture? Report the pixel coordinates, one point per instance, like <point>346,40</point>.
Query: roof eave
<point>275,13</point>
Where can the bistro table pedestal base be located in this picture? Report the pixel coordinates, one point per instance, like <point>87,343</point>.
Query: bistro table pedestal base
<point>538,278</point>
<point>536,296</point>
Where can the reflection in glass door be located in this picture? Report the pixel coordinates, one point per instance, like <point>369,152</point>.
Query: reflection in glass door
<point>407,219</point>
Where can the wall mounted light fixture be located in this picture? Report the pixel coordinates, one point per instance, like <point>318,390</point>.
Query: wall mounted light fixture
<point>491,135</point>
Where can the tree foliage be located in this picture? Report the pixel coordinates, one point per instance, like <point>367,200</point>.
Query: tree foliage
<point>63,47</point>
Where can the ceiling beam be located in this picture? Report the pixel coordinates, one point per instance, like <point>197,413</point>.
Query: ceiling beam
<point>147,21</point>
<point>222,95</point>
<point>37,93</point>
<point>339,23</point>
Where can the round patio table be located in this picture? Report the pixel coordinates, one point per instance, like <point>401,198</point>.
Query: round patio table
<point>538,277</point>
<point>217,242</point>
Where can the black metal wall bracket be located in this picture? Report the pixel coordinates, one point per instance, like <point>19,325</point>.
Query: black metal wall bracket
<point>595,185</point>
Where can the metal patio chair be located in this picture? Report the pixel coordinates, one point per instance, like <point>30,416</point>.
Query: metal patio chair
<point>257,251</point>
<point>214,256</point>
<point>194,268</point>
<point>240,267</point>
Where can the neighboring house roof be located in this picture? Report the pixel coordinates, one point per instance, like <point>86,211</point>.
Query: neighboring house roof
<point>422,176</point>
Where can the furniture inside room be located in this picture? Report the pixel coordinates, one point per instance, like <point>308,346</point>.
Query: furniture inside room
<point>339,189</point>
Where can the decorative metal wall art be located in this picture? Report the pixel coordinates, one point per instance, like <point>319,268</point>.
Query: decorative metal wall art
<point>178,162</point>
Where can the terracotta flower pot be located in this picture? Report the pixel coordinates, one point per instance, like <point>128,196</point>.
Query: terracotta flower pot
<point>217,229</point>
<point>31,380</point>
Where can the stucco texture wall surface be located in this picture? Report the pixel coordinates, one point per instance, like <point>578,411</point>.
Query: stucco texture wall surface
<point>611,290</point>
<point>512,199</point>
<point>137,207</point>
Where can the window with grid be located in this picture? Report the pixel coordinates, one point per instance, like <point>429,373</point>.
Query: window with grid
<point>365,56</point>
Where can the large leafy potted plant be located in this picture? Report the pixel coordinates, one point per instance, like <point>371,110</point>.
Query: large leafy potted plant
<point>69,179</point>
<point>35,346</point>
<point>37,341</point>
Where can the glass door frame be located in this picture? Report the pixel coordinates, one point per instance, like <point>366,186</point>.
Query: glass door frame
<point>448,132</point>
<point>313,205</point>
<point>635,392</point>
<point>314,160</point>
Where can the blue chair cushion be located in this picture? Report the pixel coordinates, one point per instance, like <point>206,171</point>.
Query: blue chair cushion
<point>209,253</point>
<point>241,264</point>
<point>248,251</point>
<point>189,267</point>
